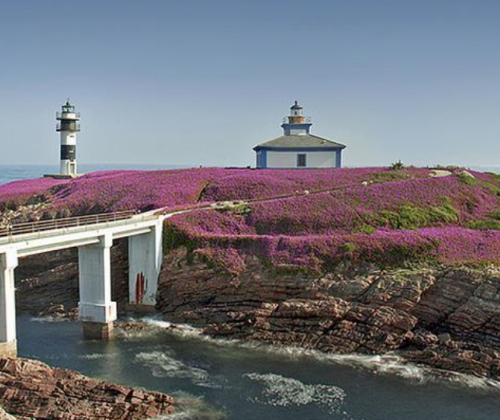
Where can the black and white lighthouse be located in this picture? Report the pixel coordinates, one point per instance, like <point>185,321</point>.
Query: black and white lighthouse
<point>68,126</point>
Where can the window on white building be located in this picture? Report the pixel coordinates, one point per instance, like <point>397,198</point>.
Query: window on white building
<point>301,161</point>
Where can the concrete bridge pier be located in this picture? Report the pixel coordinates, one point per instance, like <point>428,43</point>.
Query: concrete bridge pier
<point>97,311</point>
<point>145,258</point>
<point>8,342</point>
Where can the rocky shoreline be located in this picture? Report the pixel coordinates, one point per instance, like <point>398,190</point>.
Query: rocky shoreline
<point>33,390</point>
<point>441,317</point>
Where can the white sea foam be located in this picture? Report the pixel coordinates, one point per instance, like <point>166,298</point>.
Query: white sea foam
<point>392,364</point>
<point>182,330</point>
<point>163,364</point>
<point>157,323</point>
<point>285,392</point>
<point>386,364</point>
<point>92,356</point>
<point>49,318</point>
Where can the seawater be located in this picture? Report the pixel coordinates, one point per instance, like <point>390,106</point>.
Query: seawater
<point>9,173</point>
<point>218,379</point>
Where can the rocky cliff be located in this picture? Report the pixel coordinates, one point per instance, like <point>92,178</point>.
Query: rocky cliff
<point>33,390</point>
<point>448,318</point>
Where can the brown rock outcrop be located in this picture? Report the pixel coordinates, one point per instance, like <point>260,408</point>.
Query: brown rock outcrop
<point>445,318</point>
<point>33,390</point>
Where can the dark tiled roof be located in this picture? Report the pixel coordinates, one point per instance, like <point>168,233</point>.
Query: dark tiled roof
<point>300,141</point>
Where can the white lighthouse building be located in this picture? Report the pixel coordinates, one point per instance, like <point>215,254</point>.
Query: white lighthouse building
<point>297,147</point>
<point>68,126</point>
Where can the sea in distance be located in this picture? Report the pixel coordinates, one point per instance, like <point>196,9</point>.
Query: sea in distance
<point>215,379</point>
<point>10,173</point>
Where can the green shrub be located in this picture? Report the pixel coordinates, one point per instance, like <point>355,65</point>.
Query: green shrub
<point>172,238</point>
<point>348,248</point>
<point>397,166</point>
<point>242,208</point>
<point>411,217</point>
<point>492,186</point>
<point>238,207</point>
<point>466,178</point>
<point>389,176</point>
<point>494,214</point>
<point>450,168</point>
<point>369,229</point>
<point>485,224</point>
<point>444,214</point>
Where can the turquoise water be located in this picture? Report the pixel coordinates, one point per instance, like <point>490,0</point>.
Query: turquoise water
<point>216,379</point>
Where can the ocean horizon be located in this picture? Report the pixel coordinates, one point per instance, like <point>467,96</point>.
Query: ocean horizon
<point>13,172</point>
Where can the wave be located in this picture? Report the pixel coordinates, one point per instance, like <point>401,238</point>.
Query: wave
<point>390,364</point>
<point>286,392</point>
<point>134,328</point>
<point>393,364</point>
<point>93,356</point>
<point>182,330</point>
<point>49,318</point>
<point>164,364</point>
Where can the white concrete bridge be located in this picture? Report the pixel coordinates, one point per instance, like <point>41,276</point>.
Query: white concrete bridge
<point>93,236</point>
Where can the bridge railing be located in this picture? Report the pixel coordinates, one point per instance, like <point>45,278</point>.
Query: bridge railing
<point>66,222</point>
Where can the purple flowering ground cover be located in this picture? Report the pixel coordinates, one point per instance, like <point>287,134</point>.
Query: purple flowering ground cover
<point>418,218</point>
<point>295,218</point>
<point>318,253</point>
<point>17,193</point>
<point>107,191</point>
<point>434,202</point>
<point>111,191</point>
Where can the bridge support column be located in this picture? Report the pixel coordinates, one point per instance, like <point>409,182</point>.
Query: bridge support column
<point>97,311</point>
<point>8,342</point>
<point>145,257</point>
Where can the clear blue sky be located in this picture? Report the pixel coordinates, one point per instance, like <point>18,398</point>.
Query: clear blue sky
<point>200,82</point>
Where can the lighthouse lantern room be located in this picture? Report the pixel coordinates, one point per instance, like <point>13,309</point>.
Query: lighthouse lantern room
<point>68,126</point>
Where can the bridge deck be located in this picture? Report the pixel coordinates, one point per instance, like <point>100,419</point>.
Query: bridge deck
<point>75,233</point>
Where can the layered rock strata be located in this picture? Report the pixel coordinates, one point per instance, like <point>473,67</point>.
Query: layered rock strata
<point>448,318</point>
<point>33,390</point>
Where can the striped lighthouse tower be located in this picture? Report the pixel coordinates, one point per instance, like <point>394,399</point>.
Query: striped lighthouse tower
<point>68,126</point>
